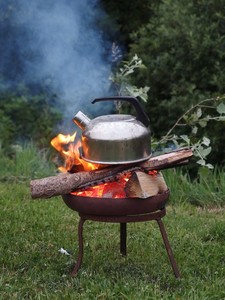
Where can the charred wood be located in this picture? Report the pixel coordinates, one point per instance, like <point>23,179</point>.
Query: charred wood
<point>65,183</point>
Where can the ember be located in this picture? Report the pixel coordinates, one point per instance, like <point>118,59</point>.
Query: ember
<point>106,190</point>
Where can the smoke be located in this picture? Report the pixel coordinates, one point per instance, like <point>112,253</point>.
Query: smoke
<point>57,44</point>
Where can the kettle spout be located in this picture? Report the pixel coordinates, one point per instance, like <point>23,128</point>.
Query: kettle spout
<point>81,120</point>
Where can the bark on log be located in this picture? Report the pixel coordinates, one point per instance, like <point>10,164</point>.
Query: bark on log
<point>65,183</point>
<point>167,160</point>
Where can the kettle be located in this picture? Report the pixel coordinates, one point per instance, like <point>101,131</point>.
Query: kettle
<point>116,138</point>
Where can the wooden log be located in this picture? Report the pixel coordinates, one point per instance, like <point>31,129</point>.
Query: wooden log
<point>143,185</point>
<point>161,183</point>
<point>166,160</point>
<point>65,183</point>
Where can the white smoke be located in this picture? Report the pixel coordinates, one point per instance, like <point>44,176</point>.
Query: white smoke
<point>67,50</point>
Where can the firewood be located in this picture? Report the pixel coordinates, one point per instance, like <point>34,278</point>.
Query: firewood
<point>65,183</point>
<point>166,160</point>
<point>143,185</point>
<point>161,183</point>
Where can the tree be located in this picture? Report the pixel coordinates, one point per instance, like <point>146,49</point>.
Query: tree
<point>182,47</point>
<point>126,17</point>
<point>25,118</point>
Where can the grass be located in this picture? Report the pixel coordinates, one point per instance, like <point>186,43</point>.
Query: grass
<point>33,231</point>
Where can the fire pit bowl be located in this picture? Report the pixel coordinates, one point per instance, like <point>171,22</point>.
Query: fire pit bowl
<point>115,206</point>
<point>123,211</point>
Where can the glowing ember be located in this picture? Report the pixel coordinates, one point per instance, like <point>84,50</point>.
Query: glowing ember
<point>107,190</point>
<point>114,189</point>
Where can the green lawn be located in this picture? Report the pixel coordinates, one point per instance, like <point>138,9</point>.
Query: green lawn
<point>33,231</point>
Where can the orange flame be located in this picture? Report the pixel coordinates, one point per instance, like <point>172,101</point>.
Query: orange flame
<point>69,151</point>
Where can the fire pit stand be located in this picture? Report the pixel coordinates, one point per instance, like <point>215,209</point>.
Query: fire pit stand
<point>123,220</point>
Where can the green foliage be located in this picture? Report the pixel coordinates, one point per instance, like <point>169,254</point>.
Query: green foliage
<point>182,47</point>
<point>126,16</point>
<point>210,183</point>
<point>7,128</point>
<point>207,190</point>
<point>194,119</point>
<point>25,118</point>
<point>25,162</point>
<point>122,82</point>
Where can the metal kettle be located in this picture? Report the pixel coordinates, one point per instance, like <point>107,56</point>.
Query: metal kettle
<point>115,138</point>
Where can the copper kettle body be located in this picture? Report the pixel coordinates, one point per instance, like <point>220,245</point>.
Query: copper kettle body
<point>116,138</point>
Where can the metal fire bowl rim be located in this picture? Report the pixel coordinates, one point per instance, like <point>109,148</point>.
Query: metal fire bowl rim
<point>117,162</point>
<point>116,206</point>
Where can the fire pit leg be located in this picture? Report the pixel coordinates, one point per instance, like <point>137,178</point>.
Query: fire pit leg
<point>123,238</point>
<point>80,254</point>
<point>168,248</point>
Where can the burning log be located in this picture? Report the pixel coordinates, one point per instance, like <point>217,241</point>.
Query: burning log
<point>66,183</point>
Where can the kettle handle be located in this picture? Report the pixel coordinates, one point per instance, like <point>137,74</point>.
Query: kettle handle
<point>141,115</point>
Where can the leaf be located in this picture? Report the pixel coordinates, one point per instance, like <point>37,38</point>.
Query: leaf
<point>205,141</point>
<point>199,113</point>
<point>138,92</point>
<point>205,152</point>
<point>209,166</point>
<point>130,71</point>
<point>203,123</point>
<point>201,162</point>
<point>221,108</point>
<point>195,130</point>
<point>185,138</point>
<point>135,57</point>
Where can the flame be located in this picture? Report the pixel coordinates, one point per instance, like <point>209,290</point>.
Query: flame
<point>69,151</point>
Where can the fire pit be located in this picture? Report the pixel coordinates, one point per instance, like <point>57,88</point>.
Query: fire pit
<point>115,206</point>
<point>123,211</point>
<point>111,176</point>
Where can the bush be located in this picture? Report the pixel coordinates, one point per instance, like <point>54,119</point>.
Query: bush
<point>182,47</point>
<point>25,118</point>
